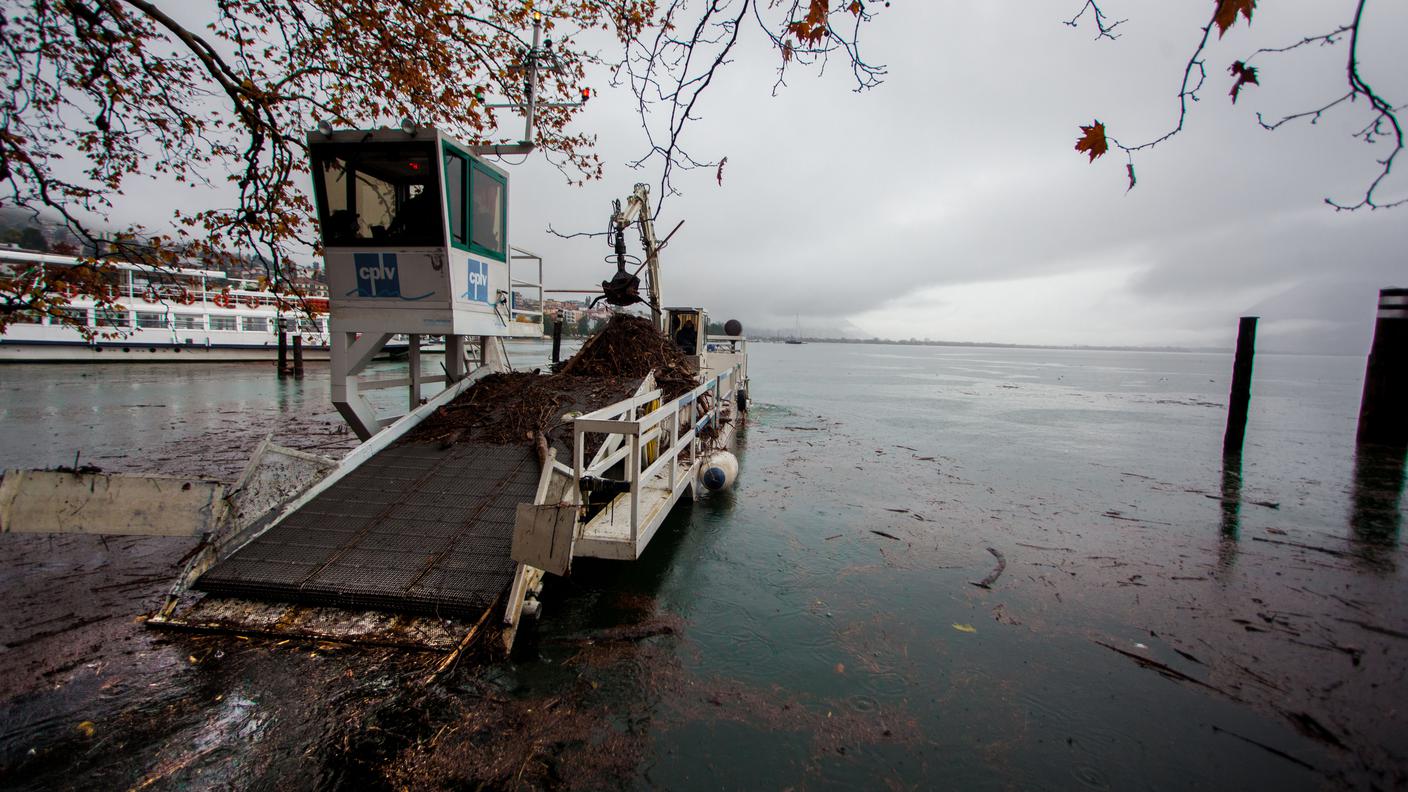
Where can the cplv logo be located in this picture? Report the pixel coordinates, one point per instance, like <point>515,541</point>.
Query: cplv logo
<point>478,281</point>
<point>377,275</point>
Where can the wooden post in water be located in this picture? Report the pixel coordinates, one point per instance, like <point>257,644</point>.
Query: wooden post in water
<point>297,354</point>
<point>283,347</point>
<point>557,338</point>
<point>1241,388</point>
<point>1383,409</point>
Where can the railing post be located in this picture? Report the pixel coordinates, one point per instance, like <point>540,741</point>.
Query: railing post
<point>694,426</point>
<point>718,397</point>
<point>674,446</point>
<point>577,455</point>
<point>634,478</point>
<point>413,369</point>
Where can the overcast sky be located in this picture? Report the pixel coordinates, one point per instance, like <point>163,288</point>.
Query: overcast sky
<point>949,202</point>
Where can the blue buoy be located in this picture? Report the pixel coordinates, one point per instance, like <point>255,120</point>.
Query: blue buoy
<point>714,478</point>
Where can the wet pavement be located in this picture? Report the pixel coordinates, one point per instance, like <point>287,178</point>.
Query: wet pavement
<point>1161,620</point>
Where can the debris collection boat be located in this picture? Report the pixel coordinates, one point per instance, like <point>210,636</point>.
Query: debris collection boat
<point>442,525</point>
<point>162,314</point>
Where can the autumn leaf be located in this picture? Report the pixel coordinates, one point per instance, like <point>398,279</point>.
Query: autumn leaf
<point>720,173</point>
<point>1245,74</point>
<point>812,29</point>
<point>1226,13</point>
<point>1129,167</point>
<point>1092,141</point>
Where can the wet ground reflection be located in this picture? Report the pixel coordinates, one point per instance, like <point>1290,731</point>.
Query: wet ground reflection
<point>1166,619</point>
<point>1376,516</point>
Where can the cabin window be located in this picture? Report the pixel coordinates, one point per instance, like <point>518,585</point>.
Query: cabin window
<point>110,317</point>
<point>27,317</point>
<point>378,194</point>
<point>189,321</point>
<point>224,323</point>
<point>455,167</point>
<point>306,326</point>
<point>488,194</point>
<point>254,324</point>
<point>77,315</point>
<point>151,319</point>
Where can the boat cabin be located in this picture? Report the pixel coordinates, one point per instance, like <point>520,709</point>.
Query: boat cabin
<point>415,233</point>
<point>415,239</point>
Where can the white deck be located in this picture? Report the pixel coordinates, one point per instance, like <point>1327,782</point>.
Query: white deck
<point>608,535</point>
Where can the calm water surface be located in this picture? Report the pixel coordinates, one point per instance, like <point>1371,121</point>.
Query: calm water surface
<point>1161,622</point>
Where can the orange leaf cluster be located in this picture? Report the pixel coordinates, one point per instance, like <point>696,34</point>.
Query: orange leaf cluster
<point>1226,13</point>
<point>1092,140</point>
<point>811,29</point>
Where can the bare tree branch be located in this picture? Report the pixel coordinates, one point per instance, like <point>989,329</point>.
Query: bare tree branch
<point>1384,124</point>
<point>1103,27</point>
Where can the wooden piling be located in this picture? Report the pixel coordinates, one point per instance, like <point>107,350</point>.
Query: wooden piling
<point>298,355</point>
<point>557,338</point>
<point>1383,409</point>
<point>283,348</point>
<point>1241,393</point>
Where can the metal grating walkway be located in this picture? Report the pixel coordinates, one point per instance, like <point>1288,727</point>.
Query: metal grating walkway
<point>416,528</point>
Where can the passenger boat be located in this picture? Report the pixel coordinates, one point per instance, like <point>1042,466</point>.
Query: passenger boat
<point>175,315</point>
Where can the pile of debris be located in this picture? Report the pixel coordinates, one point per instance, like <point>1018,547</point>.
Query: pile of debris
<point>516,407</point>
<point>630,346</point>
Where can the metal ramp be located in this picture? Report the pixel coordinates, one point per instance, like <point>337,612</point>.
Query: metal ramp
<point>415,537</point>
<point>417,528</point>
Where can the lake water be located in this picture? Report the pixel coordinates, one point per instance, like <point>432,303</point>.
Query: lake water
<point>1160,622</point>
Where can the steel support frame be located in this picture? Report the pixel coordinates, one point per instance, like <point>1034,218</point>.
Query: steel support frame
<point>351,352</point>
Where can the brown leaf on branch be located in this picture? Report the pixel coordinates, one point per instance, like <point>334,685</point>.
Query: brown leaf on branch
<point>1245,74</point>
<point>1092,140</point>
<point>1226,13</point>
<point>812,28</point>
<point>719,174</point>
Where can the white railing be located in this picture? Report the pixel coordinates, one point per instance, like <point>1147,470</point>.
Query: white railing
<point>514,283</point>
<point>628,436</point>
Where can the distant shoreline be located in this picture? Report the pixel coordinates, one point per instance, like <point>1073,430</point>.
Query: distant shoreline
<point>996,345</point>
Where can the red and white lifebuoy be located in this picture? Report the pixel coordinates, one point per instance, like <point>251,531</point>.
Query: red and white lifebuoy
<point>223,300</point>
<point>251,301</point>
<point>184,296</point>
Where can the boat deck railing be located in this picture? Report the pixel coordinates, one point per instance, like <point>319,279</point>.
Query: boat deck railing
<point>660,445</point>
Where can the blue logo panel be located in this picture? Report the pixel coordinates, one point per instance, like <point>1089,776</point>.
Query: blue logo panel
<point>377,275</point>
<point>478,282</point>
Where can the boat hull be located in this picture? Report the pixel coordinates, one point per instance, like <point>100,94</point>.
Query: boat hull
<point>144,352</point>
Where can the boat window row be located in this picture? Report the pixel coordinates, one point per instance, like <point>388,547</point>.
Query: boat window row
<point>156,320</point>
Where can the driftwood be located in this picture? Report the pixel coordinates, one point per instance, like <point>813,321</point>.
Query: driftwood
<point>1316,548</point>
<point>996,573</point>
<point>1168,671</point>
<point>508,407</point>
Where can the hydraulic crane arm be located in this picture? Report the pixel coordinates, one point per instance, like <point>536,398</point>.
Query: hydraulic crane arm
<point>638,209</point>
